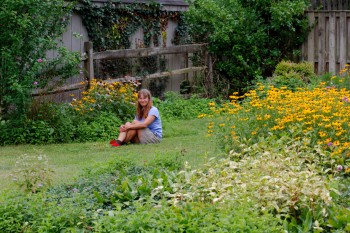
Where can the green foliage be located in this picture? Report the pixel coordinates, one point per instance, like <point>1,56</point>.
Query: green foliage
<point>340,80</point>
<point>95,117</point>
<point>110,25</point>
<point>191,217</point>
<point>292,75</point>
<point>103,127</point>
<point>61,128</point>
<point>29,29</point>
<point>174,106</point>
<point>118,98</point>
<point>248,37</point>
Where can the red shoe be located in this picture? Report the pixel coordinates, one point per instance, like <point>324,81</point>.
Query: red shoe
<point>112,142</point>
<point>115,144</point>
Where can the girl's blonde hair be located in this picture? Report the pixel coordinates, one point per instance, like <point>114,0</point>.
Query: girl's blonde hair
<point>142,112</point>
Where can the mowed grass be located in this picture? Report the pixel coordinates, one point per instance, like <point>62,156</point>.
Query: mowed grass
<point>183,138</point>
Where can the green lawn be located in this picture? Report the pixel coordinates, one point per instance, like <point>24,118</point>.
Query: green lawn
<point>185,138</point>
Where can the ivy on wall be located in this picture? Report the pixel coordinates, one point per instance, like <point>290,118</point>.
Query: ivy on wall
<point>110,26</point>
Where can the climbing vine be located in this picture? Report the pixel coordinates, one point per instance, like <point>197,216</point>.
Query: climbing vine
<point>110,26</point>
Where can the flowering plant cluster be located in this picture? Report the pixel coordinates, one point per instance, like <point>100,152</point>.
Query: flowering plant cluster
<point>320,116</point>
<point>117,97</point>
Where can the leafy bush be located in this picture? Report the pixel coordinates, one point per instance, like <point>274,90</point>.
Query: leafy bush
<point>23,51</point>
<point>97,116</point>
<point>292,75</point>
<point>67,129</point>
<point>174,106</point>
<point>248,37</point>
<point>105,126</point>
<point>118,98</point>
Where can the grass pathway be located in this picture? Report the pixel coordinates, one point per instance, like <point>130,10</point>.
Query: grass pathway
<point>185,138</point>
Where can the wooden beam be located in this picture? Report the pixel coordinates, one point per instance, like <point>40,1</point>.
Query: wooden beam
<point>145,52</point>
<point>174,72</point>
<point>77,86</point>
<point>71,87</point>
<point>157,75</point>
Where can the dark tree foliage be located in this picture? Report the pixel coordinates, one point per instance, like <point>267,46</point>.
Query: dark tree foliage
<point>249,37</point>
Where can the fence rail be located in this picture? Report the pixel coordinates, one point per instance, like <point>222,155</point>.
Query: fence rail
<point>135,53</point>
<point>145,52</point>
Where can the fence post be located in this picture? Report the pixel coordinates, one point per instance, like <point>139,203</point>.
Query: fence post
<point>209,72</point>
<point>89,63</point>
<point>342,39</point>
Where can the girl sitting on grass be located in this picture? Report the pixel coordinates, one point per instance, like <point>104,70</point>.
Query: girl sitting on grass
<point>147,125</point>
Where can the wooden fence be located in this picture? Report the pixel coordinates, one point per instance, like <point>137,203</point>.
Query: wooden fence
<point>155,51</point>
<point>327,45</point>
<point>137,53</point>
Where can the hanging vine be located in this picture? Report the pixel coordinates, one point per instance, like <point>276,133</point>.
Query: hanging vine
<point>111,25</point>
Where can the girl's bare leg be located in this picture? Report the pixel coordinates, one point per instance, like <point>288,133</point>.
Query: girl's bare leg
<point>122,136</point>
<point>131,136</point>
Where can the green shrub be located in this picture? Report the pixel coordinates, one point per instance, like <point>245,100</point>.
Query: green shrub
<point>292,75</point>
<point>104,126</point>
<point>118,98</point>
<point>25,132</point>
<point>174,106</point>
<point>305,70</point>
<point>63,127</point>
<point>36,213</point>
<point>23,68</point>
<point>248,38</point>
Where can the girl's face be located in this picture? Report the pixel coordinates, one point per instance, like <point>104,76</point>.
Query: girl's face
<point>143,100</point>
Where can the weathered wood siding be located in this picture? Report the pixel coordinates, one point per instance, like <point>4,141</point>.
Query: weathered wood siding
<point>328,43</point>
